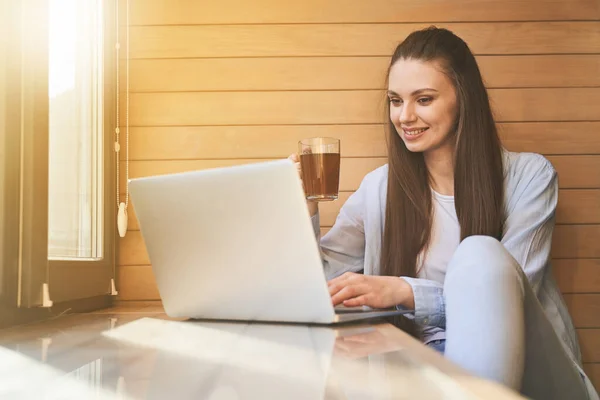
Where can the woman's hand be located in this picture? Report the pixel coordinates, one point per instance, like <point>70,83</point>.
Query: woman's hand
<point>352,290</point>
<point>313,206</point>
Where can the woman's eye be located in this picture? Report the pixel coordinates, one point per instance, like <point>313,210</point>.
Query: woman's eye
<point>425,100</point>
<point>396,102</point>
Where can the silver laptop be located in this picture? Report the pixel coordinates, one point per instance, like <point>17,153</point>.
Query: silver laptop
<point>236,243</point>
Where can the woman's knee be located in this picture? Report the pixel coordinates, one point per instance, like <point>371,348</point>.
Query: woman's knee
<point>479,256</point>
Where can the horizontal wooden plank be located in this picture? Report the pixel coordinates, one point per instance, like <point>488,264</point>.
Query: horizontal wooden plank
<point>570,241</point>
<point>577,206</point>
<point>516,104</point>
<point>192,12</point>
<point>574,207</point>
<point>252,108</point>
<point>592,370</point>
<point>577,275</point>
<point>572,276</point>
<point>589,340</point>
<point>266,141</point>
<point>344,73</point>
<point>132,250</point>
<point>346,182</point>
<point>225,74</point>
<point>137,282</point>
<point>341,107</point>
<point>273,141</point>
<point>575,172</point>
<point>584,309</point>
<point>551,138</point>
<point>540,70</point>
<point>352,170</point>
<point>576,241</point>
<point>193,41</point>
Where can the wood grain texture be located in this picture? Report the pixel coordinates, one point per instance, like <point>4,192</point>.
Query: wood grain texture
<point>522,104</point>
<point>576,241</point>
<point>584,309</point>
<point>593,372</point>
<point>344,73</point>
<point>575,172</point>
<point>281,40</point>
<point>589,340</point>
<point>137,282</point>
<point>132,250</point>
<point>575,206</point>
<point>550,138</point>
<point>578,275</point>
<point>569,241</point>
<point>369,140</point>
<point>342,107</point>
<point>578,206</point>
<point>193,12</point>
<point>572,276</point>
<point>540,70</point>
<point>231,82</point>
<point>352,170</point>
<point>248,142</point>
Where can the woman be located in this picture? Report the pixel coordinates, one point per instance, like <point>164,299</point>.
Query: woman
<point>467,233</point>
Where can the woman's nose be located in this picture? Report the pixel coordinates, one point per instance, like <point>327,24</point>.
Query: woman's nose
<point>407,114</point>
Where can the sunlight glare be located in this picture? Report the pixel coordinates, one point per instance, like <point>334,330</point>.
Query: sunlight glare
<point>62,46</point>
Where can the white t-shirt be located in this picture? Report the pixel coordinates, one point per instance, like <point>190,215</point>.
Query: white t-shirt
<point>445,238</point>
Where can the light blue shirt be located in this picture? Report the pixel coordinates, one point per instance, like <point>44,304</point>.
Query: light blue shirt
<point>531,194</point>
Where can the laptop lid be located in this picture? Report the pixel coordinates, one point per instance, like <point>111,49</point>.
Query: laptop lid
<point>233,243</point>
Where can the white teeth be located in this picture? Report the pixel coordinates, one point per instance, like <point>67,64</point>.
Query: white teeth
<point>415,132</point>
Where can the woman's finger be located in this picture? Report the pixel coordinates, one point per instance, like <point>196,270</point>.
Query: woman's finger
<point>362,300</point>
<point>340,278</point>
<point>337,284</point>
<point>349,292</point>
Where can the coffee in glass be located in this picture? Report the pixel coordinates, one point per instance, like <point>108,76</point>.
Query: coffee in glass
<point>320,164</point>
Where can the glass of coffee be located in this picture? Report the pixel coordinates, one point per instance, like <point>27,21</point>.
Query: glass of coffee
<point>320,164</point>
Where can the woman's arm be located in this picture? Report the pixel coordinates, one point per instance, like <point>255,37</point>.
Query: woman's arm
<point>530,220</point>
<point>343,247</point>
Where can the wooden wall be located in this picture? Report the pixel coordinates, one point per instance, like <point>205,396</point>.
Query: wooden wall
<point>218,83</point>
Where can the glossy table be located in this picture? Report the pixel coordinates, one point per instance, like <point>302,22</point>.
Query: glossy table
<point>125,353</point>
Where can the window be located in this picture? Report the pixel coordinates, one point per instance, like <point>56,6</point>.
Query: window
<point>81,190</point>
<point>76,126</point>
<point>57,183</point>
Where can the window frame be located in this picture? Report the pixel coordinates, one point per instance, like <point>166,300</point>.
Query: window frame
<point>93,277</point>
<point>76,285</point>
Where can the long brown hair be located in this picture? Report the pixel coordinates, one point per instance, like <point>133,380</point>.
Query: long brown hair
<point>478,167</point>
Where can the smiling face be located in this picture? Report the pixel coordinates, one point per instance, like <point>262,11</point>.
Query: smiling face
<point>423,105</point>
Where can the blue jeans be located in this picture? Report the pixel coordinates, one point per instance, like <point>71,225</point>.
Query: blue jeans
<point>438,345</point>
<point>497,329</point>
